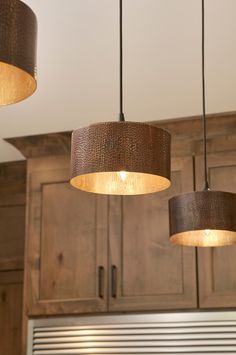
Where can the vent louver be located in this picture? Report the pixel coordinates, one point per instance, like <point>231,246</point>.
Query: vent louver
<point>205,333</point>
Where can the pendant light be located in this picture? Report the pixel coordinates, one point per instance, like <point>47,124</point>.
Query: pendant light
<point>18,32</point>
<point>120,158</point>
<point>203,218</point>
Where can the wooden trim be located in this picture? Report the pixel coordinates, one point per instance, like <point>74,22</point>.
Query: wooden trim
<point>16,263</point>
<point>11,277</point>
<point>186,137</point>
<point>42,145</point>
<point>218,124</point>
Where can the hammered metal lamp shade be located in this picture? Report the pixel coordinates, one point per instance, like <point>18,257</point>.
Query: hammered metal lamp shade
<point>120,158</point>
<point>18,32</point>
<point>203,218</point>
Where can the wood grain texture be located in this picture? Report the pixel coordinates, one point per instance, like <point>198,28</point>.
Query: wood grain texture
<point>151,273</point>
<point>12,215</point>
<point>66,243</point>
<point>13,183</point>
<point>11,302</point>
<point>51,144</point>
<point>186,137</point>
<point>216,266</point>
<point>12,236</point>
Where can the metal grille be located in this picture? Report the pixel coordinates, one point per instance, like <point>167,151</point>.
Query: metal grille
<point>186,333</point>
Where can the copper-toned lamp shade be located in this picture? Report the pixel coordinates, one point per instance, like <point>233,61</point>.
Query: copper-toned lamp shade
<point>18,32</point>
<point>203,218</point>
<point>120,158</point>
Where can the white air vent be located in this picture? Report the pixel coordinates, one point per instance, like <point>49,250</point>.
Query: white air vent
<point>185,333</point>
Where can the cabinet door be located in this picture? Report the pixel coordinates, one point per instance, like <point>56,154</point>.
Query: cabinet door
<point>12,235</point>
<point>66,244</point>
<point>216,266</point>
<point>146,271</point>
<point>11,294</point>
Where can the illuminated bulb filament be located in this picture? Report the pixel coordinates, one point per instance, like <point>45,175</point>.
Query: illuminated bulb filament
<point>207,232</point>
<point>123,175</point>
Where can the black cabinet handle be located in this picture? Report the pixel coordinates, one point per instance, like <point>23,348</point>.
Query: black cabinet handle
<point>101,281</point>
<point>114,281</point>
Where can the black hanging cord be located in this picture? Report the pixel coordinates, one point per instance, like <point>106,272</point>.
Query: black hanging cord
<point>121,114</point>
<point>206,187</point>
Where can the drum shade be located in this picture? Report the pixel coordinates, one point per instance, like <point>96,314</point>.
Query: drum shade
<point>18,33</point>
<point>203,218</point>
<point>120,158</point>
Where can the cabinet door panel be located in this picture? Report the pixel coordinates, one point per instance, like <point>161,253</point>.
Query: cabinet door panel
<point>68,236</point>
<point>151,273</point>
<point>67,243</point>
<point>216,266</point>
<point>12,235</point>
<point>11,295</point>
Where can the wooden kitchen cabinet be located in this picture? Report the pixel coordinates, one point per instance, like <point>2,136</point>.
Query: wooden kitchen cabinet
<point>216,266</point>
<point>67,246</point>
<point>66,243</point>
<point>11,303</point>
<point>89,253</point>
<point>146,271</point>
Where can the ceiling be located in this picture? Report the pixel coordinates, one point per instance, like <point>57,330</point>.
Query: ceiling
<point>78,64</point>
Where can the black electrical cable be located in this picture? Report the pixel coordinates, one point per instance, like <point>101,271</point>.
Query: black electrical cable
<point>121,114</point>
<point>206,187</point>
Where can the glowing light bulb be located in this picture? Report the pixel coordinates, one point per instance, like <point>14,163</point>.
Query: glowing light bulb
<point>207,232</point>
<point>123,175</point>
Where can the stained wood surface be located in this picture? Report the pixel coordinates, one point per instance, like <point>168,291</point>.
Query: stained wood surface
<point>66,243</point>
<point>12,215</point>
<point>12,236</point>
<point>11,301</point>
<point>13,183</point>
<point>151,273</point>
<point>217,277</point>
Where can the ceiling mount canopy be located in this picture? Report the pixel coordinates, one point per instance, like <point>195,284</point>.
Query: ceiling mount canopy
<point>203,218</point>
<point>120,158</point>
<point>18,33</point>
